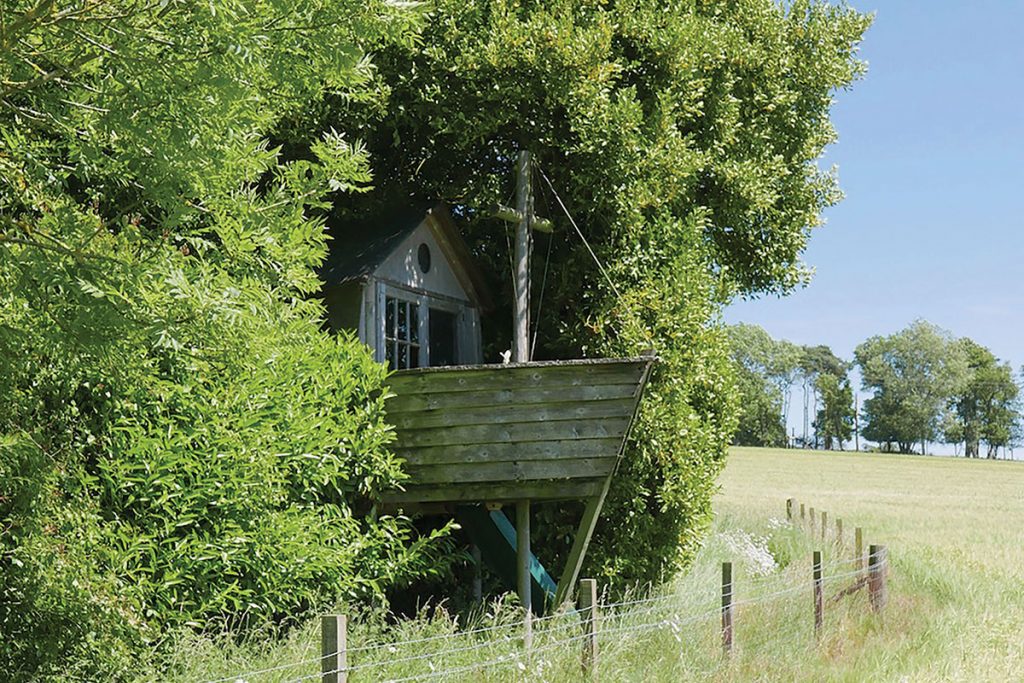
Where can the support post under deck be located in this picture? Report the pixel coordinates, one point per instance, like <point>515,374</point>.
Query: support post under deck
<point>579,546</point>
<point>523,568</point>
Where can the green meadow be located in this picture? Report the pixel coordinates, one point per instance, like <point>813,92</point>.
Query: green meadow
<point>955,533</point>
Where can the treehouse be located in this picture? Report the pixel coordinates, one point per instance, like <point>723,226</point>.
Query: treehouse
<point>478,438</point>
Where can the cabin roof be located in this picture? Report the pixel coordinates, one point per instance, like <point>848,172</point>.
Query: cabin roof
<point>359,249</point>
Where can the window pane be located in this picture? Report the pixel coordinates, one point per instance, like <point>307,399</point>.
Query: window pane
<point>414,323</point>
<point>389,353</point>
<point>403,321</point>
<point>403,355</point>
<point>389,320</point>
<point>414,355</point>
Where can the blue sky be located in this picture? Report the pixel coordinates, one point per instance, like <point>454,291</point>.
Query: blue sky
<point>930,156</point>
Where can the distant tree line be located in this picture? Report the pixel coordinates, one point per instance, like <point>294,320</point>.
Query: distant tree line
<point>925,386</point>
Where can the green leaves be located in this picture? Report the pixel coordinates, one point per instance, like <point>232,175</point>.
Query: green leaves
<point>913,372</point>
<point>189,446</point>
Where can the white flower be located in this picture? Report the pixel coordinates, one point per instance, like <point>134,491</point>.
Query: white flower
<point>752,550</point>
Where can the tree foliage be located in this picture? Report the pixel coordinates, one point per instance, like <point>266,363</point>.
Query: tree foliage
<point>834,422</point>
<point>180,444</point>
<point>913,374</point>
<point>986,408</point>
<point>766,369</point>
<point>684,140</point>
<point>825,380</point>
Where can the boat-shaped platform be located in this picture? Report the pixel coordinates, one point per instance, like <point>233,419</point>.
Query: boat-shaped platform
<point>546,430</point>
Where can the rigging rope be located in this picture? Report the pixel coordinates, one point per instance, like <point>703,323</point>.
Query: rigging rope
<point>586,243</point>
<point>579,232</point>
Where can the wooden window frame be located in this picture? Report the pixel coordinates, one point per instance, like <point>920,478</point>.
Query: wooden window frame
<point>387,290</point>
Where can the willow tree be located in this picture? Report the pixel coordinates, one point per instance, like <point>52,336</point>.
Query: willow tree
<point>684,140</point>
<point>180,444</point>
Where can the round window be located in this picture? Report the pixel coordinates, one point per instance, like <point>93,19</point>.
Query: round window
<point>423,256</point>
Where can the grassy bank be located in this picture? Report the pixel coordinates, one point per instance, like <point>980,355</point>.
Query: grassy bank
<point>954,529</point>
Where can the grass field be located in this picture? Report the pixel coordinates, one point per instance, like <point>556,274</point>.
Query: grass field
<point>955,532</point>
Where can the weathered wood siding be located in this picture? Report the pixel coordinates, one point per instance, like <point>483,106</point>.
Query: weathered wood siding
<point>541,431</point>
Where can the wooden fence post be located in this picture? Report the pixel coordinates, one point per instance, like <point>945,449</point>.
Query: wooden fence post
<point>858,547</point>
<point>727,589</point>
<point>803,513</point>
<point>878,561</point>
<point>839,530</point>
<point>810,513</point>
<point>824,525</point>
<point>819,614</point>
<point>588,606</point>
<point>333,648</point>
<point>789,509</point>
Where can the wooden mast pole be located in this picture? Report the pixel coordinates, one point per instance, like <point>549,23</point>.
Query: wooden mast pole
<point>521,354</point>
<point>521,313</point>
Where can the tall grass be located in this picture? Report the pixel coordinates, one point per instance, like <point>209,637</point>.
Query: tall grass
<point>667,634</point>
<point>956,611</point>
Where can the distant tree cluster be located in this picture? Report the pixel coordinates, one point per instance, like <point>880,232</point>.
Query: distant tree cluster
<point>767,369</point>
<point>926,386</point>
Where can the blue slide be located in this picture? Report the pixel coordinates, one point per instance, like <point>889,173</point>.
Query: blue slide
<point>495,535</point>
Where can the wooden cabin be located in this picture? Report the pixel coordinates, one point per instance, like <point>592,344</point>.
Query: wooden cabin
<point>477,437</point>
<point>409,287</point>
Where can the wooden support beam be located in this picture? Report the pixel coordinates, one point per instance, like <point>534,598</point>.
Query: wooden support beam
<point>554,489</point>
<point>504,213</point>
<point>523,569</point>
<point>579,545</point>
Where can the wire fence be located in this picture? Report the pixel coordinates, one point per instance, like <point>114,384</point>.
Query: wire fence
<point>701,632</point>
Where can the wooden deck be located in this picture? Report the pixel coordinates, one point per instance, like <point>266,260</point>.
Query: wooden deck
<point>501,433</point>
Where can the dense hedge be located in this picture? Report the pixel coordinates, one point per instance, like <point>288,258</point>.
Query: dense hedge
<point>181,445</point>
<point>136,501</point>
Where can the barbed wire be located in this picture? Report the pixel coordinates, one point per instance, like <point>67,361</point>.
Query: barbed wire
<point>623,618</point>
<point>272,669</point>
<point>608,613</point>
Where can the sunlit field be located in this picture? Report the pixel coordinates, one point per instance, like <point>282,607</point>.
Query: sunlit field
<point>955,532</point>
